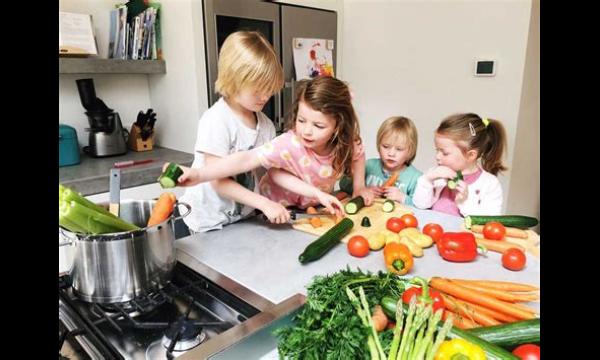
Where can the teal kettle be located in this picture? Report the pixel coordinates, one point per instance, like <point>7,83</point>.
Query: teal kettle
<point>68,146</point>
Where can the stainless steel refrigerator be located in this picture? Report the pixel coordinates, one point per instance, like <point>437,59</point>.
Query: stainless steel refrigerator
<point>280,24</point>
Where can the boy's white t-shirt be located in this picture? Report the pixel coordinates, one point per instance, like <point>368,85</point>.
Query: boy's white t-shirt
<point>220,133</point>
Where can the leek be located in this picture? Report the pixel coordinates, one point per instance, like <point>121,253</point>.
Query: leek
<point>69,195</point>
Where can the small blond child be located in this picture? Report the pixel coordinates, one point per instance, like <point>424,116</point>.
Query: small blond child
<point>249,73</point>
<point>391,175</point>
<point>473,146</point>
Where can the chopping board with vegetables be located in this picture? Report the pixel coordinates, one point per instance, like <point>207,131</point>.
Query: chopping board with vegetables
<point>377,218</point>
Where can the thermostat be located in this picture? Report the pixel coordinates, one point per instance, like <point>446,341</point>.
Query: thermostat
<point>485,68</point>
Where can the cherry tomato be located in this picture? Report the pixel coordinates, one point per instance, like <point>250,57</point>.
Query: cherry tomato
<point>527,352</point>
<point>358,246</point>
<point>409,220</point>
<point>438,301</point>
<point>514,259</point>
<point>435,231</point>
<point>395,224</point>
<point>494,231</point>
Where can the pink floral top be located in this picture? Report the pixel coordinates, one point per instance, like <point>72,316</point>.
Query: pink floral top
<point>287,152</point>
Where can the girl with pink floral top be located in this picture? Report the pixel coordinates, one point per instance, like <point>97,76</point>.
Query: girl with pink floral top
<point>322,144</point>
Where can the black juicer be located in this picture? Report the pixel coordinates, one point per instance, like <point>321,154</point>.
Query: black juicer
<point>107,136</point>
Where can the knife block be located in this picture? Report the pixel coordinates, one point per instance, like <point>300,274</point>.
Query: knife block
<point>135,140</point>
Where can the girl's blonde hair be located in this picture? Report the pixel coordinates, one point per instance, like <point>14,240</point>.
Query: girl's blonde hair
<point>247,60</point>
<point>488,140</point>
<point>331,97</point>
<point>403,128</point>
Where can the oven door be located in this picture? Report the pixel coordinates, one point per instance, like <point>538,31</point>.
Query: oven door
<point>222,18</point>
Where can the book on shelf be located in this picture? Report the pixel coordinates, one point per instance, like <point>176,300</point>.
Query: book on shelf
<point>76,35</point>
<point>135,31</point>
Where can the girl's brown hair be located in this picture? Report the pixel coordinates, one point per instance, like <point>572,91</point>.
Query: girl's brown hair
<point>403,127</point>
<point>331,97</point>
<point>489,141</point>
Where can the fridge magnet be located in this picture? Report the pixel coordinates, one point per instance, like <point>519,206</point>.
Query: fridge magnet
<point>312,58</point>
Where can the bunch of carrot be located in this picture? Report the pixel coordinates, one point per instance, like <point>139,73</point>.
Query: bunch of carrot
<point>475,303</point>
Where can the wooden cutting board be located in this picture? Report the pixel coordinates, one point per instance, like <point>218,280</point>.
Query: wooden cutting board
<point>531,244</point>
<point>374,212</point>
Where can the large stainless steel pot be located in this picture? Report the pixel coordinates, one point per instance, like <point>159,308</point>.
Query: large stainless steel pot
<point>117,267</point>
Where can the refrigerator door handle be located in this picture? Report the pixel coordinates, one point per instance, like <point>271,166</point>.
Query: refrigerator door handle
<point>288,86</point>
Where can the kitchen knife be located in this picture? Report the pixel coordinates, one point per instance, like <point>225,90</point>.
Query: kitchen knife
<point>115,189</point>
<point>297,215</point>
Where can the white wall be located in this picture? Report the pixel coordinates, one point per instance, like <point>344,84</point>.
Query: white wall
<point>416,58</point>
<point>524,197</point>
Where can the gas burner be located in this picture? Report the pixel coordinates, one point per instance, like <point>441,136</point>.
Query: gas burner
<point>133,308</point>
<point>191,335</point>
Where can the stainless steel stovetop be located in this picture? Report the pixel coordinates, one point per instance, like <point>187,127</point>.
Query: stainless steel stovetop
<point>181,317</point>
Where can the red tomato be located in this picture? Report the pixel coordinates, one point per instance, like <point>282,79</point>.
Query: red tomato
<point>358,246</point>
<point>527,352</point>
<point>494,231</point>
<point>514,259</point>
<point>395,224</point>
<point>409,220</point>
<point>438,301</point>
<point>435,231</point>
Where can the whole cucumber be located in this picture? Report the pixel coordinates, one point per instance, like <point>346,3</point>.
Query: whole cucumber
<point>326,242</point>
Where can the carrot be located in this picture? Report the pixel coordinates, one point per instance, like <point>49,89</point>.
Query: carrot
<point>391,180</point>
<point>311,210</point>
<point>341,195</point>
<point>469,311</point>
<point>459,321</point>
<point>502,285</point>
<point>526,308</point>
<point>163,208</point>
<point>316,222</point>
<point>497,245</point>
<point>476,297</point>
<point>380,320</point>
<point>493,313</point>
<point>498,294</point>
<point>510,231</point>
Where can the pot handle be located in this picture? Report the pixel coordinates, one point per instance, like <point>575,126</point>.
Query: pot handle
<point>64,236</point>
<point>189,210</point>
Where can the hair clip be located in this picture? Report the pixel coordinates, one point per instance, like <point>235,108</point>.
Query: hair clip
<point>485,121</point>
<point>472,129</point>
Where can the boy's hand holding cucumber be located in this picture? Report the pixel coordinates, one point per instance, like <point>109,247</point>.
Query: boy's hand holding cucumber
<point>177,175</point>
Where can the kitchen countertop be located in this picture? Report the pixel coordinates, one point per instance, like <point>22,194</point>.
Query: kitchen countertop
<point>264,258</point>
<point>91,175</point>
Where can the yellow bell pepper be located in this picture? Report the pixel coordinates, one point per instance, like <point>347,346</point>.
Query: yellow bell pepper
<point>459,349</point>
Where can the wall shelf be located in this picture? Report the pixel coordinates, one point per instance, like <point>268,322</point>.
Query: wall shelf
<point>110,66</point>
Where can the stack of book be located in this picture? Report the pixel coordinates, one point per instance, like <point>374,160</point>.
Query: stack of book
<point>134,37</point>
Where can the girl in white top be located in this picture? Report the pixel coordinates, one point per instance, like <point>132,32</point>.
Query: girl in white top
<point>249,73</point>
<point>473,146</point>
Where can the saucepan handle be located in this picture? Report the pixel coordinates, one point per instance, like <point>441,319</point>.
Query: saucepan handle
<point>64,236</point>
<point>189,210</point>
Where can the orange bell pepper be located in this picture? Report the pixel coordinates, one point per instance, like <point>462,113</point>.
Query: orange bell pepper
<point>398,258</point>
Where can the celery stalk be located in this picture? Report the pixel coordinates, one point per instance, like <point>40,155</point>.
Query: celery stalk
<point>69,195</point>
<point>95,222</point>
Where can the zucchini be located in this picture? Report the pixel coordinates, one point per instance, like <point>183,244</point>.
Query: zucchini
<point>354,205</point>
<point>168,179</point>
<point>510,335</point>
<point>516,221</point>
<point>388,206</point>
<point>365,222</point>
<point>326,242</point>
<point>492,351</point>
<point>452,183</point>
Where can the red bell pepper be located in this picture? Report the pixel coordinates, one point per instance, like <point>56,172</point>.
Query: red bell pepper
<point>424,294</point>
<point>457,246</point>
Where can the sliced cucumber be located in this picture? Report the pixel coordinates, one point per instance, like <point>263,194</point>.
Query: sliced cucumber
<point>354,205</point>
<point>168,179</point>
<point>453,183</point>
<point>388,206</point>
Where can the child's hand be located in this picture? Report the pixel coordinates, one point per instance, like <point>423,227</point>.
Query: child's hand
<point>190,177</point>
<point>440,172</point>
<point>331,203</point>
<point>275,212</point>
<point>393,193</point>
<point>462,190</point>
<point>377,191</point>
<point>367,195</point>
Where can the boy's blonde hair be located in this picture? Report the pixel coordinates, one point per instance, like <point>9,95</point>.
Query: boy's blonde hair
<point>247,60</point>
<point>402,127</point>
